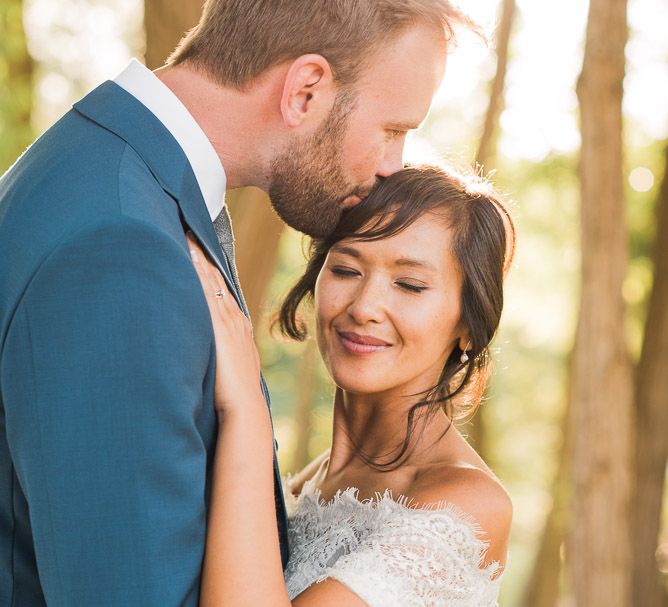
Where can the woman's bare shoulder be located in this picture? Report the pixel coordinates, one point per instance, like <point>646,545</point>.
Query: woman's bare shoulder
<point>296,482</point>
<point>477,493</point>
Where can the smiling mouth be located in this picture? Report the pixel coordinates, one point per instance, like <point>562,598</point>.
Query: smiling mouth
<point>361,344</point>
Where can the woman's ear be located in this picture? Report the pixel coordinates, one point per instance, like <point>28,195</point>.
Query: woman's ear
<point>464,342</point>
<point>308,91</point>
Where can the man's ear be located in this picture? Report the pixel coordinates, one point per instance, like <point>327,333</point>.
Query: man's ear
<point>308,91</point>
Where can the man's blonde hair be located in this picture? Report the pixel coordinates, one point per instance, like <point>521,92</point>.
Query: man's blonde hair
<point>237,40</point>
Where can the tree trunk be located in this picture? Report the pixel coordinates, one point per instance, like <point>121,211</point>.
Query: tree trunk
<point>304,406</point>
<point>542,589</point>
<point>474,430</point>
<point>602,385</point>
<point>487,144</point>
<point>16,96</point>
<point>165,22</point>
<point>652,420</point>
<point>257,231</point>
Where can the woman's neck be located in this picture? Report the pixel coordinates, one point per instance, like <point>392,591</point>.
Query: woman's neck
<point>375,426</point>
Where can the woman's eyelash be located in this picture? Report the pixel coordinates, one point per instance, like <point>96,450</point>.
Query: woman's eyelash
<point>347,272</point>
<point>344,272</point>
<point>412,288</point>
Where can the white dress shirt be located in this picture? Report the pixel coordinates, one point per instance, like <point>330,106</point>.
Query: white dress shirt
<point>147,88</point>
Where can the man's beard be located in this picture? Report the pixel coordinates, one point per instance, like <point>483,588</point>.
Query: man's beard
<point>308,185</point>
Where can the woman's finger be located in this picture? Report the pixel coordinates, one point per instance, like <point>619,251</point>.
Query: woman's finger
<point>201,263</point>
<point>213,283</point>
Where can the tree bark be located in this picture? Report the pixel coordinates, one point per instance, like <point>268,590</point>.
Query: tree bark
<point>16,97</point>
<point>304,406</point>
<point>542,589</point>
<point>652,420</point>
<point>257,231</point>
<point>602,385</point>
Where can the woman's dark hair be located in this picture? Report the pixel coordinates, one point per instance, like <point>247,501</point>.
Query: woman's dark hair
<point>483,240</point>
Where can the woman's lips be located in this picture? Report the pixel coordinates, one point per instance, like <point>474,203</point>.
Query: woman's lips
<point>361,344</point>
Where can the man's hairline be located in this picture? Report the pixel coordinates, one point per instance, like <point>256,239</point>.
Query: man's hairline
<point>363,68</point>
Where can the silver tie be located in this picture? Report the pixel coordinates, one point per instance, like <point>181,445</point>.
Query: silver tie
<point>223,227</point>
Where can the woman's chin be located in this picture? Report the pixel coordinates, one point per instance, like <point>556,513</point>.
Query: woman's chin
<point>358,384</point>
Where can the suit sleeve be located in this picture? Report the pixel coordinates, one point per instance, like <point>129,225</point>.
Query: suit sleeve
<point>102,373</point>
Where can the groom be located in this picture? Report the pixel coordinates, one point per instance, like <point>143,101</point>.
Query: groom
<point>107,424</point>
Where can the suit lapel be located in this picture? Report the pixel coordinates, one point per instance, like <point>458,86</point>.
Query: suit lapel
<point>116,110</point>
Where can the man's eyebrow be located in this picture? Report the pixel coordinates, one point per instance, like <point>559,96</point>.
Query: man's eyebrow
<point>414,263</point>
<point>403,126</point>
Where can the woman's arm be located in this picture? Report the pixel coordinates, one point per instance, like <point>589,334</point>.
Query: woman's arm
<point>242,563</point>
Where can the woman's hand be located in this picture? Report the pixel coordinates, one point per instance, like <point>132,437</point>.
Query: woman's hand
<point>237,359</point>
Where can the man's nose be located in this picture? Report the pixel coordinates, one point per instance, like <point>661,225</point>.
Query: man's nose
<point>393,160</point>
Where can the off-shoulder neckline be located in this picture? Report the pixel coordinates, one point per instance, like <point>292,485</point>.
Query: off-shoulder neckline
<point>309,500</point>
<point>403,502</point>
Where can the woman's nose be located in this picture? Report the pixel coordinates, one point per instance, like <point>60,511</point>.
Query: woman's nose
<point>367,304</point>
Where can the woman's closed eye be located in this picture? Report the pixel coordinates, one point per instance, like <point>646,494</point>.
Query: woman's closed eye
<point>411,286</point>
<point>344,272</point>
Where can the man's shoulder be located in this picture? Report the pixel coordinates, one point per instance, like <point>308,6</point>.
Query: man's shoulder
<point>74,160</point>
<point>75,174</point>
<point>76,179</point>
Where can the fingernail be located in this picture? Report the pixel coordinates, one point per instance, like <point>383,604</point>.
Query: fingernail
<point>193,254</point>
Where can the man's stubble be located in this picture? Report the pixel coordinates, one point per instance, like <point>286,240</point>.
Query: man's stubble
<point>308,183</point>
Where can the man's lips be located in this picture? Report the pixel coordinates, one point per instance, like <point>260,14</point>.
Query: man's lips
<point>352,201</point>
<point>361,344</point>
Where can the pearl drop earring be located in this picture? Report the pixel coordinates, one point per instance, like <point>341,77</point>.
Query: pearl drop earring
<point>465,357</point>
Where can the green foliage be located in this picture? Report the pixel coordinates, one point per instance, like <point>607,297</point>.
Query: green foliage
<point>16,84</point>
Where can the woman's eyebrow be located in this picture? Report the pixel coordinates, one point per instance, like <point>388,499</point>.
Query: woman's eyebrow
<point>346,250</point>
<point>415,263</point>
<point>401,261</point>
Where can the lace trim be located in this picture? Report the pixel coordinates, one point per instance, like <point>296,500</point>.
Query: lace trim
<point>348,498</point>
<point>324,533</point>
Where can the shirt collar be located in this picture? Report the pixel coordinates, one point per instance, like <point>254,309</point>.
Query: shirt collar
<point>147,88</point>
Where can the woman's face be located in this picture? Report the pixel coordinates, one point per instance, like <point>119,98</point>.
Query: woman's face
<point>388,311</point>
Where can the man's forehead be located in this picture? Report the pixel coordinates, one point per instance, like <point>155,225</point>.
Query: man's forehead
<point>411,66</point>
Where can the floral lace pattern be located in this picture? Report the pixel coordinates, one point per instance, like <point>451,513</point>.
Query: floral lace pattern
<point>388,552</point>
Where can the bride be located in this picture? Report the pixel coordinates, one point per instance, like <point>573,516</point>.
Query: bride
<point>407,294</point>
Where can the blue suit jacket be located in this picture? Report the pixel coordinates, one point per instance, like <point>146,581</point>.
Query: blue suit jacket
<point>107,357</point>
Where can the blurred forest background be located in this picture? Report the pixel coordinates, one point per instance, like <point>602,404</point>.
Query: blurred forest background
<point>575,421</point>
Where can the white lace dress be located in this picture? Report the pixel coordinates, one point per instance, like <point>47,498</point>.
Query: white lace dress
<point>388,553</point>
